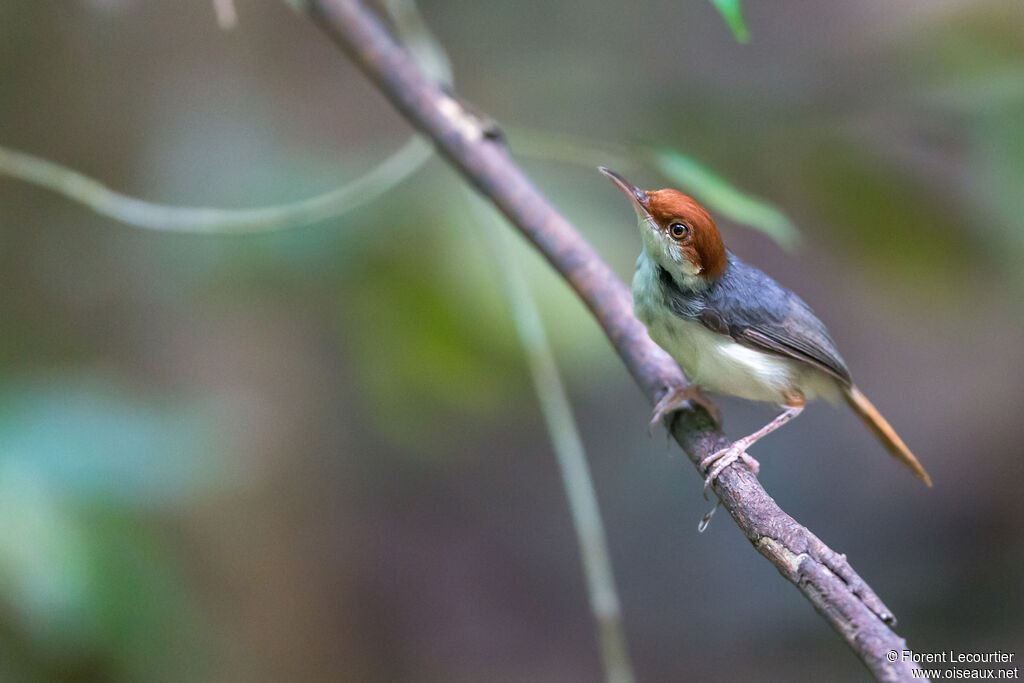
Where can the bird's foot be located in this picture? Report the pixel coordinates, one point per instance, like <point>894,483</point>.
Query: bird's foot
<point>677,399</point>
<point>715,464</point>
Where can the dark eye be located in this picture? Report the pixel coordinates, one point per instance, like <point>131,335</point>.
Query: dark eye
<point>679,230</point>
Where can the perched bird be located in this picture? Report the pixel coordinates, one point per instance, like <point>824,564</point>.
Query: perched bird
<point>732,329</point>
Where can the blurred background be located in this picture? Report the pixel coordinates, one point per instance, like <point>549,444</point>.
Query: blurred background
<point>317,455</point>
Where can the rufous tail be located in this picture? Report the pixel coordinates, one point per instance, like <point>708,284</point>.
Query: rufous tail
<point>886,434</point>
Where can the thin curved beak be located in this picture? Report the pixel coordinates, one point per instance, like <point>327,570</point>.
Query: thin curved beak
<point>637,196</point>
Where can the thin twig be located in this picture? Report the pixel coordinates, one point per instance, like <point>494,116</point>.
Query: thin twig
<point>139,213</point>
<point>569,452</point>
<point>825,578</point>
<point>142,214</point>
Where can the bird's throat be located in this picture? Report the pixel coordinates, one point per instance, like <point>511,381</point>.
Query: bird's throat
<point>684,276</point>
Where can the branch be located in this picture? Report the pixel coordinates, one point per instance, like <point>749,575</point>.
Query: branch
<point>474,148</point>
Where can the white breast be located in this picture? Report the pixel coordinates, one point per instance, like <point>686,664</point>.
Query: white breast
<point>715,361</point>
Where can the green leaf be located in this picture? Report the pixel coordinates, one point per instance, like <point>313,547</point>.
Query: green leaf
<point>724,198</point>
<point>732,12</point>
<point>89,439</point>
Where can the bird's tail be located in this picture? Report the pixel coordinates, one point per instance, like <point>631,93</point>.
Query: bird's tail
<point>886,434</point>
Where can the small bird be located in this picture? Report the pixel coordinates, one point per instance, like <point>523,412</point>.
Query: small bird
<point>732,329</point>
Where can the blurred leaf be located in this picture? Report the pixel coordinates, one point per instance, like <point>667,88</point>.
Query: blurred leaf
<point>999,159</point>
<point>724,198</point>
<point>86,583</point>
<point>88,439</point>
<point>43,553</point>
<point>85,589</point>
<point>968,68</point>
<point>148,617</point>
<point>732,12</point>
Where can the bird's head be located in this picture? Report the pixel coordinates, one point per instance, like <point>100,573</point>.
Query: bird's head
<point>677,232</point>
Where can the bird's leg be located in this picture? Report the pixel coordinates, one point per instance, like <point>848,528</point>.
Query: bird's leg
<point>716,462</point>
<point>675,400</point>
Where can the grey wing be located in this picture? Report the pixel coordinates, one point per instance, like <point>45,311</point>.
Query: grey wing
<point>755,311</point>
<point>799,335</point>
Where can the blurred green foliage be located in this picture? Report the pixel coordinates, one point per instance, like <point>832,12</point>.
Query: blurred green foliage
<point>684,172</point>
<point>88,591</point>
<point>732,12</point>
<point>378,342</point>
<point>977,82</point>
<point>88,439</point>
<point>723,197</point>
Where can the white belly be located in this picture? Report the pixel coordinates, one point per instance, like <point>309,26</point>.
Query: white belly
<point>717,363</point>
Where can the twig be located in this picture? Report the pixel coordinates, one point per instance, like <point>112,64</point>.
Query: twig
<point>142,214</point>
<point>843,599</point>
<point>572,459</point>
<point>366,188</point>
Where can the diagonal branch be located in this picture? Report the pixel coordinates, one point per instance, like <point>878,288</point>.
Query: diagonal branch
<point>474,147</point>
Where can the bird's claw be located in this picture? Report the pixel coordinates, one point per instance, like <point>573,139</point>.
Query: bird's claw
<point>677,399</point>
<point>715,464</point>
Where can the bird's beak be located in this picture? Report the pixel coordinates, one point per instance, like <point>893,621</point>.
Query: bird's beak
<point>637,196</point>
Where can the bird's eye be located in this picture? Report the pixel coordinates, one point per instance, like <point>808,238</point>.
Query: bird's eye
<point>679,230</point>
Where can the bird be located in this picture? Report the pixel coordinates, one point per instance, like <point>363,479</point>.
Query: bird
<point>732,329</point>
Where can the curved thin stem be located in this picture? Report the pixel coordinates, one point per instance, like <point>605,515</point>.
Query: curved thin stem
<point>569,452</point>
<point>139,213</point>
<point>152,216</point>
